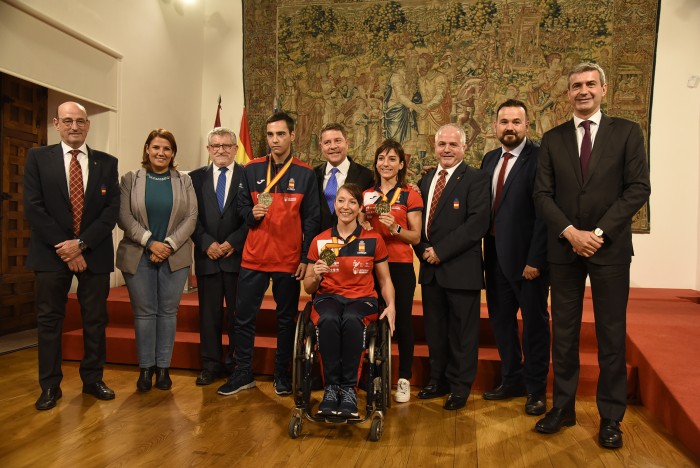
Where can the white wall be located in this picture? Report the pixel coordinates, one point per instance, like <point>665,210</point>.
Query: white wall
<point>669,256</point>
<point>178,58</point>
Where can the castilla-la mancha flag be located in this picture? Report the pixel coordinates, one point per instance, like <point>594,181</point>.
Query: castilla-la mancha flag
<point>245,147</point>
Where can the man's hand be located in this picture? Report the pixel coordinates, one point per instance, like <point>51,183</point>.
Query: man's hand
<point>301,272</point>
<point>430,256</point>
<point>215,252</point>
<point>390,314</point>
<point>77,265</point>
<point>259,211</point>
<point>584,243</point>
<point>68,250</point>
<point>227,249</point>
<point>530,273</point>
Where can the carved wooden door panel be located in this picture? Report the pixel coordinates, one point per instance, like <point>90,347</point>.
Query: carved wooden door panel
<point>23,125</point>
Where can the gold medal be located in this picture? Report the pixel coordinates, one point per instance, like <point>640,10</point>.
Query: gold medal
<point>328,256</point>
<point>265,199</point>
<point>382,208</point>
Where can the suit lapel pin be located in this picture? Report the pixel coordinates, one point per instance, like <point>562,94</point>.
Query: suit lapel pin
<point>455,204</point>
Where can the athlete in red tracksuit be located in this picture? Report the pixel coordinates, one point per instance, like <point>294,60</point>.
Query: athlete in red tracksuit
<point>275,249</point>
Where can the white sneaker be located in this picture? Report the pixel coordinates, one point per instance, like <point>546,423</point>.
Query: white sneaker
<point>403,391</point>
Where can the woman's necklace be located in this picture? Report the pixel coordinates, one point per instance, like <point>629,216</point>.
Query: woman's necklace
<point>153,176</point>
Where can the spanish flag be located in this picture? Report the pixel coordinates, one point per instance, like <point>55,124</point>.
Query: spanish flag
<point>245,147</point>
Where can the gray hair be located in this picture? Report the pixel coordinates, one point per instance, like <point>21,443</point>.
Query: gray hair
<point>221,131</point>
<point>588,66</point>
<point>460,130</point>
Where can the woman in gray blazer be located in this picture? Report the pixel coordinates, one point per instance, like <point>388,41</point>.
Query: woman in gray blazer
<point>158,214</point>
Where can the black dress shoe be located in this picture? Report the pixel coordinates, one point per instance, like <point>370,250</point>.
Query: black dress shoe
<point>503,392</point>
<point>206,377</point>
<point>163,381</point>
<point>48,398</point>
<point>555,419</point>
<point>610,435</point>
<point>456,401</point>
<point>536,404</point>
<point>145,381</point>
<point>99,390</point>
<point>432,390</point>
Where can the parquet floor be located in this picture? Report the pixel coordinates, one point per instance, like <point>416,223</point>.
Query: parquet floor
<point>193,426</point>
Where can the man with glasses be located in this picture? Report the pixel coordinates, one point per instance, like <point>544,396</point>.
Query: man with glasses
<point>71,200</point>
<point>218,238</point>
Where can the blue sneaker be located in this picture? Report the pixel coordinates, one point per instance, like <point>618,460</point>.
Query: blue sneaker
<point>282,385</point>
<point>329,404</point>
<point>236,382</point>
<point>348,403</point>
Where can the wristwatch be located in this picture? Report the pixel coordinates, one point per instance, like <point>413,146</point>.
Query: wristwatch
<point>398,230</point>
<point>82,245</point>
<point>598,232</point>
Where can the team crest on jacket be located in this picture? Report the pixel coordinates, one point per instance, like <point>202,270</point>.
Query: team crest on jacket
<point>290,186</point>
<point>361,247</point>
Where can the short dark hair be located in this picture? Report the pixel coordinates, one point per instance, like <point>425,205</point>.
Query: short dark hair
<point>512,103</point>
<point>353,189</point>
<point>396,146</point>
<point>334,126</point>
<point>277,116</point>
<point>162,133</point>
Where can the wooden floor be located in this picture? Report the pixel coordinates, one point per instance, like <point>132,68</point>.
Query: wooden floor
<point>193,426</point>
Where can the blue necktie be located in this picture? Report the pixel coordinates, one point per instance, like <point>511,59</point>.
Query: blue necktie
<point>221,188</point>
<point>331,190</point>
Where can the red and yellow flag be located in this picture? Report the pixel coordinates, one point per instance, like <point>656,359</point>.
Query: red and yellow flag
<point>245,147</point>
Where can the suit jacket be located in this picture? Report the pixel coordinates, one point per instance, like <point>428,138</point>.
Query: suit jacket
<point>616,188</point>
<point>461,220</point>
<point>521,237</point>
<point>214,226</point>
<point>133,219</point>
<point>357,174</point>
<point>48,209</point>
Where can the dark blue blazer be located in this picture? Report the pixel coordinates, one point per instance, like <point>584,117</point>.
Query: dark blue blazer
<point>521,237</point>
<point>214,226</point>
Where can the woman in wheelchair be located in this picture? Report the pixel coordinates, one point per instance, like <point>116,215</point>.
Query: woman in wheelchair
<point>344,259</point>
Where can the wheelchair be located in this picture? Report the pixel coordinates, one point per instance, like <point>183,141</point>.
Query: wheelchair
<point>377,359</point>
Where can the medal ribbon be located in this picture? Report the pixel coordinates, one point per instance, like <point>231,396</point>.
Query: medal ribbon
<point>336,246</point>
<point>279,175</point>
<point>397,193</point>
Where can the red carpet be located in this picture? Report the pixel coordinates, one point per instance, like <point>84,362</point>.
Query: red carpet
<point>663,352</point>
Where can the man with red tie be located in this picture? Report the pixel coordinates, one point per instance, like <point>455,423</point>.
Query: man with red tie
<point>458,205</point>
<point>71,200</point>
<point>592,177</point>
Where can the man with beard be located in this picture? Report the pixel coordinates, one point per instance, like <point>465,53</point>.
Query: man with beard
<point>515,257</point>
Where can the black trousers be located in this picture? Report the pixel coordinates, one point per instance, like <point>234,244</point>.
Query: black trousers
<point>610,290</point>
<point>451,319</point>
<point>251,289</point>
<point>341,337</point>
<point>212,291</point>
<point>504,297</point>
<point>51,296</point>
<point>403,276</point>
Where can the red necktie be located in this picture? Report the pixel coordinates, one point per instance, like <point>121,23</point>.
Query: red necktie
<point>439,187</point>
<point>499,189</point>
<point>586,147</point>
<point>77,196</point>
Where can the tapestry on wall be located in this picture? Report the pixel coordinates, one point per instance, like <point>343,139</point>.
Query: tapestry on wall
<point>402,69</point>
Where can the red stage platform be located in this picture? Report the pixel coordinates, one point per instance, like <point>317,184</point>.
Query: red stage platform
<point>663,352</point>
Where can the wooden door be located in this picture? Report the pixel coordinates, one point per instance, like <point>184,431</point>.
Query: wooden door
<point>23,125</point>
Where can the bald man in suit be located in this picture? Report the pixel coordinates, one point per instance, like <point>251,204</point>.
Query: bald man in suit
<point>592,177</point>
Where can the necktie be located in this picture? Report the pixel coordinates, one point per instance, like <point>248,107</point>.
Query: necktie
<point>77,196</point>
<point>331,189</point>
<point>439,187</point>
<point>221,188</point>
<point>586,147</point>
<point>499,189</point>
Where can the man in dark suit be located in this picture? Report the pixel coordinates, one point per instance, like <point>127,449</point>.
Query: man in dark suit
<point>515,258</point>
<point>457,202</point>
<point>219,238</point>
<point>337,170</point>
<point>71,200</point>
<point>592,178</point>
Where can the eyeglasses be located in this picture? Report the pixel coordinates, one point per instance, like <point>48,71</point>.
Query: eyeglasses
<point>217,147</point>
<point>69,122</point>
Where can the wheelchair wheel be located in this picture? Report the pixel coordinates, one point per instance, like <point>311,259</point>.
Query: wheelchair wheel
<point>295,425</point>
<point>301,361</point>
<point>385,356</point>
<point>375,430</point>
